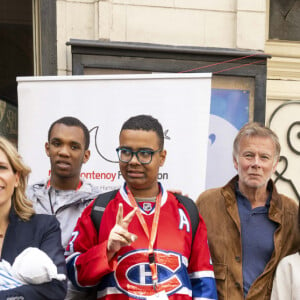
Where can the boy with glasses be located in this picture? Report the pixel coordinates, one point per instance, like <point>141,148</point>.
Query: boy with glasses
<point>144,249</point>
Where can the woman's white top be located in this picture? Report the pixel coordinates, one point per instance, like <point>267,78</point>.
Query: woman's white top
<point>286,284</point>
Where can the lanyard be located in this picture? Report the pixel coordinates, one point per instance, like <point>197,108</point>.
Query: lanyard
<point>151,237</point>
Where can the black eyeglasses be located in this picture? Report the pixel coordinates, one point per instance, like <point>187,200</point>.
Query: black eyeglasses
<point>143,156</point>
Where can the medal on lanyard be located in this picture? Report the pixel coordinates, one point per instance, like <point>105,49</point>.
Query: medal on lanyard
<point>158,296</point>
<point>152,236</point>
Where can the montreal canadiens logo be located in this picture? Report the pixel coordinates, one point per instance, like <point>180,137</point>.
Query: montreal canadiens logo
<point>133,275</point>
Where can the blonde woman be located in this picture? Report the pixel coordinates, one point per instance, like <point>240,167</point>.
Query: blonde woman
<point>21,229</point>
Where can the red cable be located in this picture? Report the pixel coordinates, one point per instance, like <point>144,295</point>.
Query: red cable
<point>255,62</point>
<point>222,62</point>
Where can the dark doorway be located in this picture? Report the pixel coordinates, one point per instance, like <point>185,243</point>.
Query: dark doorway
<point>16,51</point>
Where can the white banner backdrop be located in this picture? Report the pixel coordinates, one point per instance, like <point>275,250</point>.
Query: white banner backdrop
<point>181,102</point>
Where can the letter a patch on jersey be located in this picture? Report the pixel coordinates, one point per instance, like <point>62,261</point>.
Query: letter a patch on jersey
<point>184,221</point>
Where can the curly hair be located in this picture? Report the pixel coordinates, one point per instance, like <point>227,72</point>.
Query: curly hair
<point>146,123</point>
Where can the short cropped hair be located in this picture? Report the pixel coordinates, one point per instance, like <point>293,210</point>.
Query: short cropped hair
<point>254,129</point>
<point>22,206</point>
<point>71,121</point>
<point>147,123</point>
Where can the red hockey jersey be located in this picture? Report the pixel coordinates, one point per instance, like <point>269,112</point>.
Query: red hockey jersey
<point>184,267</point>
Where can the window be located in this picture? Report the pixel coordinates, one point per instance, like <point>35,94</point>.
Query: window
<point>234,69</point>
<point>284,20</point>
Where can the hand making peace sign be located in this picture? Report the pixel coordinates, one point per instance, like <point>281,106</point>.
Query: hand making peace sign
<point>119,235</point>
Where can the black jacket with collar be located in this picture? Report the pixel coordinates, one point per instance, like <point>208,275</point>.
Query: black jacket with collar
<point>43,232</point>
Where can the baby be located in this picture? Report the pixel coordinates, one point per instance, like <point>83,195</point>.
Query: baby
<point>32,266</point>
